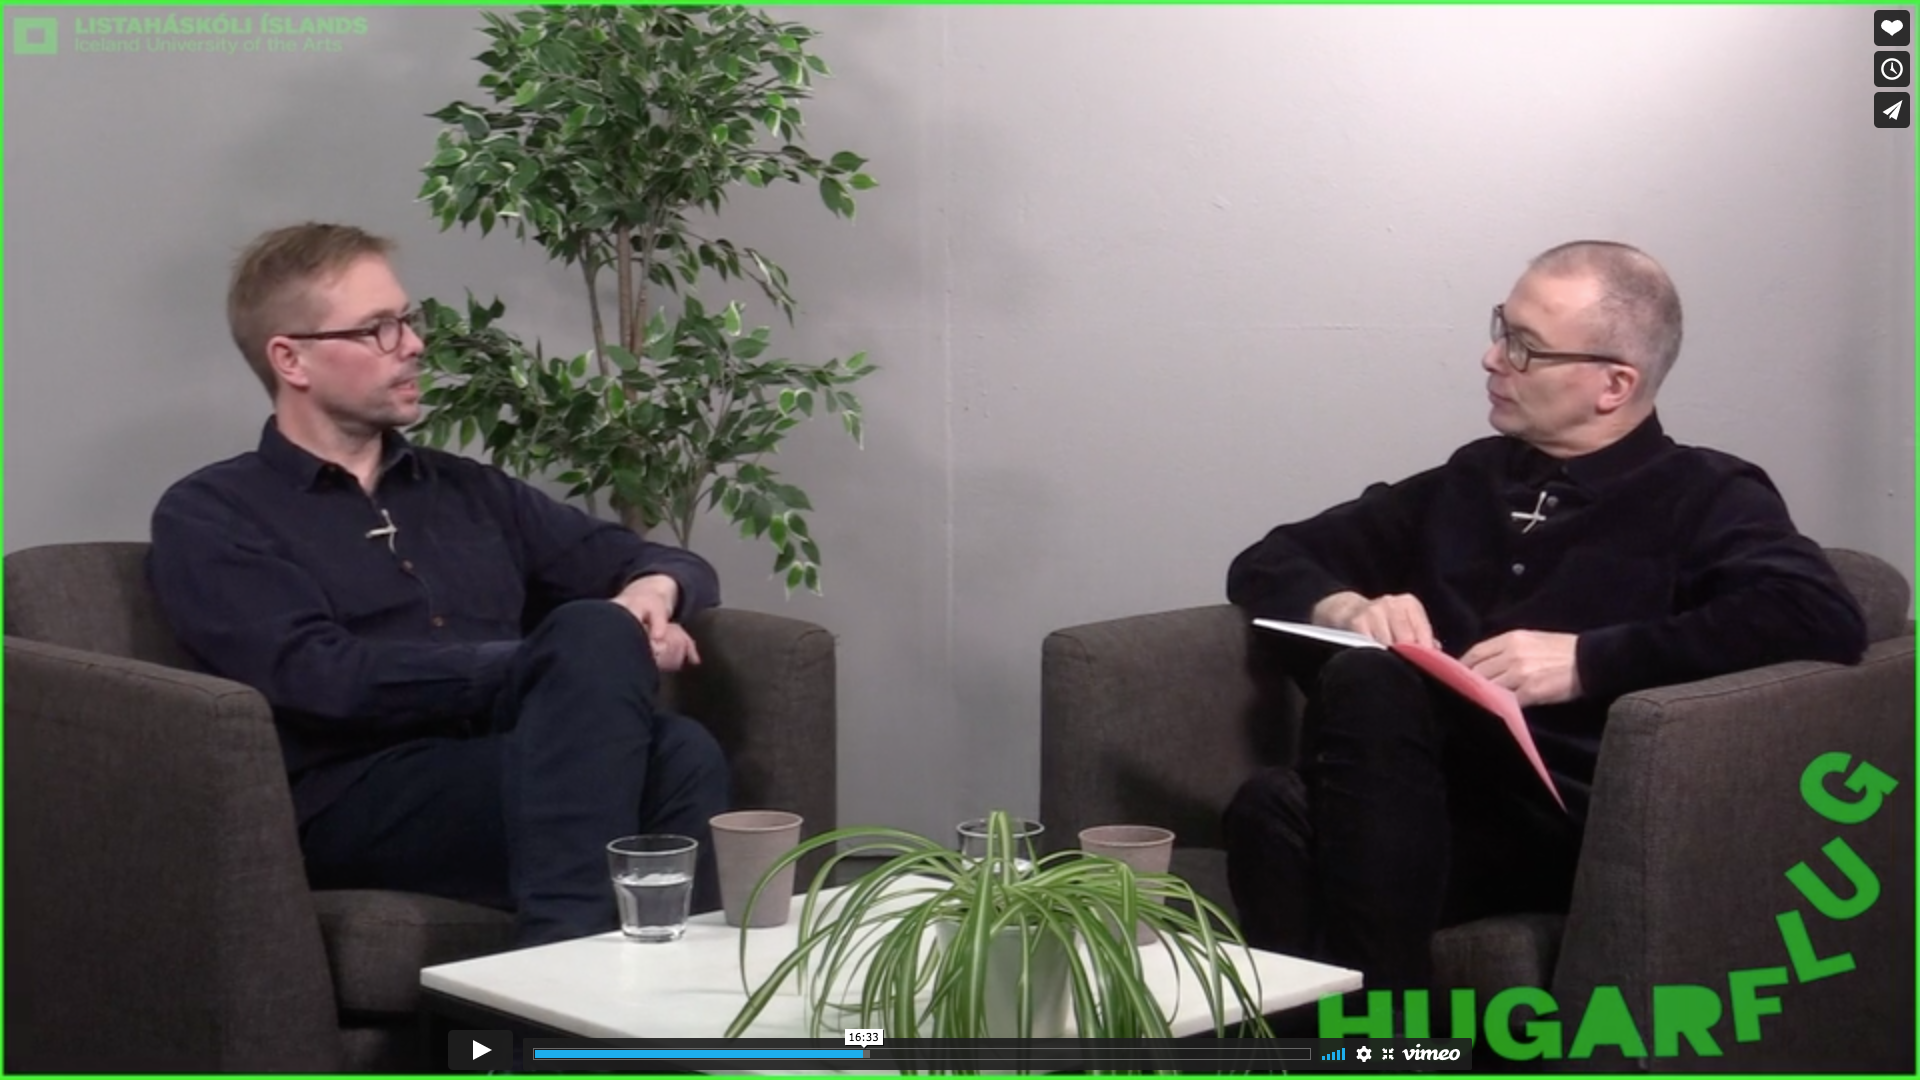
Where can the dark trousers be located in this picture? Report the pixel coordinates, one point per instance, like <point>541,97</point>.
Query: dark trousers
<point>518,816</point>
<point>1410,811</point>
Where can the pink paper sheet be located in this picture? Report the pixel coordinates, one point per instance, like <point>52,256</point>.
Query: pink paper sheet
<point>1497,700</point>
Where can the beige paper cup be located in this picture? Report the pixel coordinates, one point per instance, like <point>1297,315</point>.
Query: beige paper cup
<point>745,844</point>
<point>1146,848</point>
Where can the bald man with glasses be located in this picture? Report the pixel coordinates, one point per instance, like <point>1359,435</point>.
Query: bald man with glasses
<point>464,673</point>
<point>1578,555</point>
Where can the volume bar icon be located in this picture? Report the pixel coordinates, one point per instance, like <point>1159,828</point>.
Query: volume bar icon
<point>1335,1055</point>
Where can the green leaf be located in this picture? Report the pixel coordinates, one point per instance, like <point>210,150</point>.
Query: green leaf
<point>576,120</point>
<point>847,161</point>
<point>794,497</point>
<point>632,488</point>
<point>863,182</point>
<point>834,194</point>
<point>452,155</point>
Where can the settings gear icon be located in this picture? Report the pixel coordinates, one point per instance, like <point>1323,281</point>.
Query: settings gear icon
<point>1363,1053</point>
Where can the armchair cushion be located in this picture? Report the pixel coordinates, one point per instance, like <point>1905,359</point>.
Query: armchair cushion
<point>377,942</point>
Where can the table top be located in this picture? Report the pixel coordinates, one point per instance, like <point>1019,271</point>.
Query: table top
<point>613,988</point>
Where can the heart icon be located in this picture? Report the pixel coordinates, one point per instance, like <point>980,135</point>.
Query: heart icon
<point>1890,27</point>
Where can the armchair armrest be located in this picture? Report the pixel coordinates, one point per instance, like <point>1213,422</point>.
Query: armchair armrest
<point>1151,719</point>
<point>158,915</point>
<point>1697,814</point>
<point>765,687</point>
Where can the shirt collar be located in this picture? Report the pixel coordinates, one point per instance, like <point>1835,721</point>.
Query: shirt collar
<point>306,471</point>
<point>1600,468</point>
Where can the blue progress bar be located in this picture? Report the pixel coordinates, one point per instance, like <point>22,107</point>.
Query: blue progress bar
<point>610,1052</point>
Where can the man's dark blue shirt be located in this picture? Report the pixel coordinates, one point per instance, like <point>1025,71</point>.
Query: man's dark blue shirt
<point>277,570</point>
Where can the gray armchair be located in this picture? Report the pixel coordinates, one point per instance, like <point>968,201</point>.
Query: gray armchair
<point>158,914</point>
<point>1696,817</point>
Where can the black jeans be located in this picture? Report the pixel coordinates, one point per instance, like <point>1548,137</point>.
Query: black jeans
<point>1410,811</point>
<point>518,816</point>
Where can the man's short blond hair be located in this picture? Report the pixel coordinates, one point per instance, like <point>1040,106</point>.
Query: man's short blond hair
<point>272,290</point>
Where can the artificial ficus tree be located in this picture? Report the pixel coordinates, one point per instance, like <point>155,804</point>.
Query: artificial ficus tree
<point>608,130</point>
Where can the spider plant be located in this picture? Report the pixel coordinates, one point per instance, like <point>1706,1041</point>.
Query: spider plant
<point>918,945</point>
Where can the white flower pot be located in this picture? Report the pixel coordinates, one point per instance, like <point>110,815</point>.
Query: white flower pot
<point>1050,995</point>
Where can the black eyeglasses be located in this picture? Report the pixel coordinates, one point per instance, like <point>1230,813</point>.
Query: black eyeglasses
<point>385,330</point>
<point>1520,357</point>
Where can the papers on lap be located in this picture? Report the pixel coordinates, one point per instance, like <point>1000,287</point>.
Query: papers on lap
<point>1450,673</point>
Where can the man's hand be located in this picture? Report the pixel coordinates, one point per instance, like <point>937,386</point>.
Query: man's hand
<point>651,599</point>
<point>1538,667</point>
<point>676,650</point>
<point>1390,620</point>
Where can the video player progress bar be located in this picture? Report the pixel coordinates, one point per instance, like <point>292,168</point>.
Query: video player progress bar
<point>623,1053</point>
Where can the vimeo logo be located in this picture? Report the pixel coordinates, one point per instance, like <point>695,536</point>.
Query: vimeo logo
<point>36,37</point>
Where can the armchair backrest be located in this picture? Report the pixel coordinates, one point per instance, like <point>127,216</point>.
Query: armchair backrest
<point>1883,594</point>
<point>90,596</point>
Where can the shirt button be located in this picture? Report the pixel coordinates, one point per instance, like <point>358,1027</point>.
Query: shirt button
<point>439,620</point>
<point>1519,568</point>
<point>407,565</point>
<point>1553,501</point>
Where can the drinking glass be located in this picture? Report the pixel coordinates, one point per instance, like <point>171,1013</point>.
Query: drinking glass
<point>1026,836</point>
<point>653,882</point>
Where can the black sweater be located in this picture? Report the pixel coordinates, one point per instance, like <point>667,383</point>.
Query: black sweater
<point>1671,563</point>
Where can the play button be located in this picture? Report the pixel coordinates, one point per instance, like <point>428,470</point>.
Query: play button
<point>470,1050</point>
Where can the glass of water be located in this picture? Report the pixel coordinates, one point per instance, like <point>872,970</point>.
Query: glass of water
<point>1026,834</point>
<point>653,881</point>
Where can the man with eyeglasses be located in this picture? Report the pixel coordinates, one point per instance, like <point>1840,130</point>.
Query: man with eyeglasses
<point>376,593</point>
<point>1578,555</point>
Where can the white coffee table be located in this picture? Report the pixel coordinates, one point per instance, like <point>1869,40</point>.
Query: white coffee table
<point>612,988</point>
